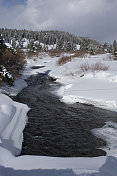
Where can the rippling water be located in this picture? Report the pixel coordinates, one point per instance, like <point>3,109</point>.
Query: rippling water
<point>58,129</point>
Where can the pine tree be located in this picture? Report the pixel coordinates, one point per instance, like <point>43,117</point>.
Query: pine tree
<point>115,49</point>
<point>1,40</point>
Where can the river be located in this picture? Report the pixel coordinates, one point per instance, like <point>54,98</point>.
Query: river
<point>58,129</point>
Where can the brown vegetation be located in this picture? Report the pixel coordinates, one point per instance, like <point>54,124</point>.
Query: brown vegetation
<point>54,53</point>
<point>31,54</point>
<point>12,60</point>
<point>65,59</point>
<point>80,53</point>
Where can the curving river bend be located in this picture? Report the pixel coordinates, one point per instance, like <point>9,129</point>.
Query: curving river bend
<point>58,129</point>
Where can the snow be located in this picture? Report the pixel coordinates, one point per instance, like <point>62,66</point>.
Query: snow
<point>16,43</point>
<point>109,133</point>
<point>5,156</point>
<point>19,84</point>
<point>78,47</point>
<point>49,47</point>
<point>92,165</point>
<point>92,87</point>
<point>25,42</point>
<point>13,119</point>
<point>45,162</point>
<point>42,165</point>
<point>8,45</point>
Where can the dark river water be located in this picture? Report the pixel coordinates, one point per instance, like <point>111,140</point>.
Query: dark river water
<point>58,129</point>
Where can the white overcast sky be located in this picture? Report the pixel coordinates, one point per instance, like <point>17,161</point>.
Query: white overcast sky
<point>96,19</point>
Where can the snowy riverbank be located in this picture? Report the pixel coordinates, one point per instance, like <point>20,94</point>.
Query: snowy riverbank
<point>97,88</point>
<point>91,87</point>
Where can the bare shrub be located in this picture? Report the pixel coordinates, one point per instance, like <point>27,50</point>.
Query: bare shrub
<point>93,67</point>
<point>63,60</point>
<point>54,53</point>
<point>31,54</point>
<point>12,61</point>
<point>80,53</point>
<point>110,57</point>
<point>85,67</point>
<point>99,66</point>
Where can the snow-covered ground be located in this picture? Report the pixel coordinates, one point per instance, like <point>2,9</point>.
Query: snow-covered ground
<point>91,87</point>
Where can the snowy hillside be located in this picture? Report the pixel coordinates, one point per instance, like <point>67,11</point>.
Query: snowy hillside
<point>47,40</point>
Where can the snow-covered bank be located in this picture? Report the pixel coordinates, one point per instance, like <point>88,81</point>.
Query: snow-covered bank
<point>77,165</point>
<point>13,118</point>
<point>108,133</point>
<point>19,84</point>
<point>91,87</point>
<point>49,166</point>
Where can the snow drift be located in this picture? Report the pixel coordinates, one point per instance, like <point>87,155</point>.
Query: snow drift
<point>13,119</point>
